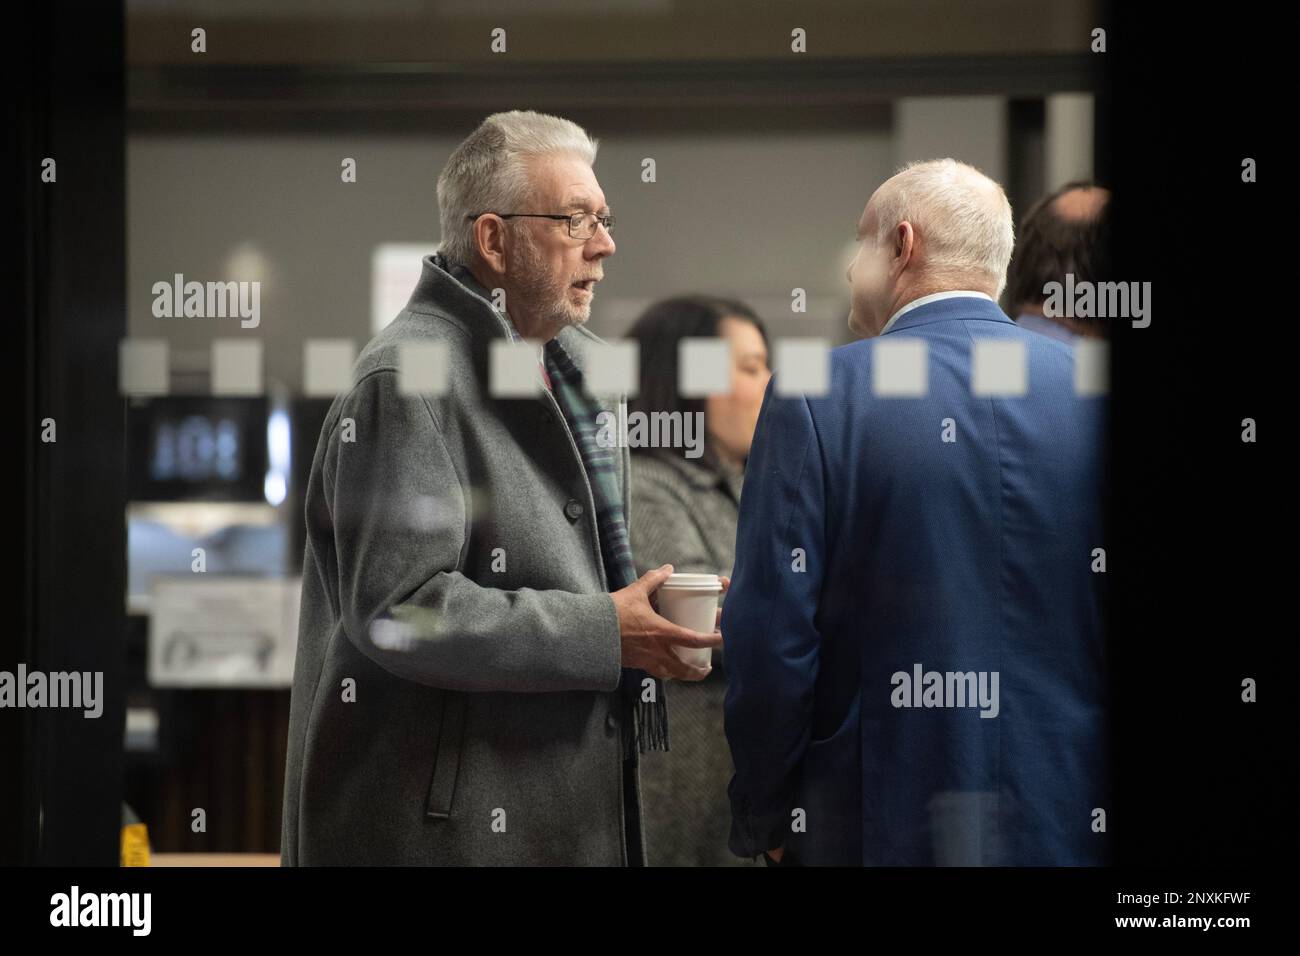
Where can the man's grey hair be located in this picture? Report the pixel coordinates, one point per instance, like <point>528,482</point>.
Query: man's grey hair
<point>488,172</point>
<point>962,217</point>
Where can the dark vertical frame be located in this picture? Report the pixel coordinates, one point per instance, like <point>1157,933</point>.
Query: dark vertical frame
<point>65,583</point>
<point>1200,559</point>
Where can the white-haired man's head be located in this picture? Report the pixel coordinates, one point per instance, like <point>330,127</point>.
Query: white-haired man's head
<point>522,162</point>
<point>935,226</point>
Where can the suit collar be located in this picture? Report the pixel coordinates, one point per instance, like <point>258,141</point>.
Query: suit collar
<point>958,307</point>
<point>446,288</point>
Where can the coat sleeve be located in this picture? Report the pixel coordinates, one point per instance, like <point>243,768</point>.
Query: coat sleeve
<point>769,622</point>
<point>399,514</point>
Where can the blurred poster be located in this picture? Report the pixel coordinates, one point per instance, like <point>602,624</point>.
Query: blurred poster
<point>224,631</point>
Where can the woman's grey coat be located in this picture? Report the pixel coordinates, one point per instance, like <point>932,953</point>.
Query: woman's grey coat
<point>477,720</point>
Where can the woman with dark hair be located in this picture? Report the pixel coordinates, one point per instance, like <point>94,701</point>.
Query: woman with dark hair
<point>684,512</point>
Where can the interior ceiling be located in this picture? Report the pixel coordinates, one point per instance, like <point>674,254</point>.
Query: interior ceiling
<point>334,32</point>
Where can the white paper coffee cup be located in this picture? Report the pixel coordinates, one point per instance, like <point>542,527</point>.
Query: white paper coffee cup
<point>691,600</point>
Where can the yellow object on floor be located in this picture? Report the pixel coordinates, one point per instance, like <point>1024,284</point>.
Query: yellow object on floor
<point>135,845</point>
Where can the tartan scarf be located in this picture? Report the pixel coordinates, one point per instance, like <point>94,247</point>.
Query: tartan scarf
<point>645,723</point>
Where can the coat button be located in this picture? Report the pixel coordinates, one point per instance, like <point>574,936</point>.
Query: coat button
<point>611,723</point>
<point>573,509</point>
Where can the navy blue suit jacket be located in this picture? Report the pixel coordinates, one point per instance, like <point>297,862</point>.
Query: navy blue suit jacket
<point>895,556</point>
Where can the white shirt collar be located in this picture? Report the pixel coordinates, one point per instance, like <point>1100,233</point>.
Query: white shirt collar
<point>932,297</point>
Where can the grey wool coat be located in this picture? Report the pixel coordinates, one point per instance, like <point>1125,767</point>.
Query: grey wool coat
<point>455,689</point>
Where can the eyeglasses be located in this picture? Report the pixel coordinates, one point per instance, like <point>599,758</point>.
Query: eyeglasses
<point>582,225</point>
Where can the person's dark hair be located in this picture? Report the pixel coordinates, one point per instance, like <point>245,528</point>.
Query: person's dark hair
<point>659,330</point>
<point>1049,245</point>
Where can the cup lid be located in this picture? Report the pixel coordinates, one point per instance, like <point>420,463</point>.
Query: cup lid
<point>693,581</point>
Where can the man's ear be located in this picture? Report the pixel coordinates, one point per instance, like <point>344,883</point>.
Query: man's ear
<point>490,241</point>
<point>904,244</point>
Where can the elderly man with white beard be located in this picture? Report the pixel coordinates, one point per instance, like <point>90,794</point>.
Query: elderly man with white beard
<point>478,665</point>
